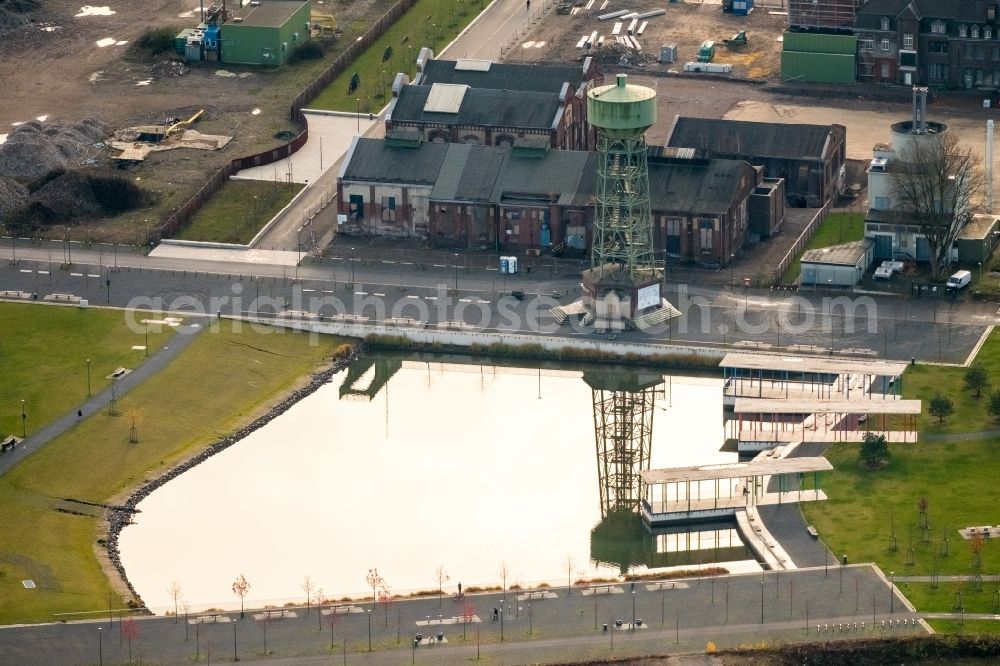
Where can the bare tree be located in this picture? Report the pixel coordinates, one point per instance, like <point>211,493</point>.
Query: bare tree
<point>175,593</point>
<point>441,577</point>
<point>936,184</point>
<point>569,574</point>
<point>241,588</point>
<point>504,573</point>
<point>130,630</point>
<point>376,581</point>
<point>386,599</point>
<point>307,587</point>
<point>319,608</point>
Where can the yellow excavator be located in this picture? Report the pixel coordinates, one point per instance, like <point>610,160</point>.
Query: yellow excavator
<point>183,124</point>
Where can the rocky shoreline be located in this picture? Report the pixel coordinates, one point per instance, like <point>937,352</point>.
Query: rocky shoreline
<point>121,516</point>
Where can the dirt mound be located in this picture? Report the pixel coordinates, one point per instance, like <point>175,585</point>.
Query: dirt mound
<point>13,195</point>
<point>33,149</point>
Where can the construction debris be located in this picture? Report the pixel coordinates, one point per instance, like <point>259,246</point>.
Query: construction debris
<point>623,54</point>
<point>137,142</point>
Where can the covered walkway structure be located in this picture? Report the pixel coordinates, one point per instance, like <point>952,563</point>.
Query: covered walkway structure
<point>714,491</point>
<point>774,376</point>
<point>759,424</point>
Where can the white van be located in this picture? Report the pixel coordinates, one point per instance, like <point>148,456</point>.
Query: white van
<point>959,280</point>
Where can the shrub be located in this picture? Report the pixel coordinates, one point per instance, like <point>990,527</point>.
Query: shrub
<point>310,50</point>
<point>158,40</point>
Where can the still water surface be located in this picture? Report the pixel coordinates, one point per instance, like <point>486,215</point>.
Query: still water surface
<point>454,465</point>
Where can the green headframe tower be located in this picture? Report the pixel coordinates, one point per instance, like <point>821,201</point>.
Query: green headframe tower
<point>622,285</point>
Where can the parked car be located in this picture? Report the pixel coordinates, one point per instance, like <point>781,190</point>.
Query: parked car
<point>959,280</point>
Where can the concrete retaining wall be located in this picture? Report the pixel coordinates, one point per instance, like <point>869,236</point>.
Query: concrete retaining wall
<point>467,338</point>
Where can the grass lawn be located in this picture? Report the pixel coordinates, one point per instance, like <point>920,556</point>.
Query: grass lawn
<point>431,23</point>
<point>238,211</point>
<point>955,477</point>
<point>976,627</point>
<point>836,228</point>
<point>922,382</point>
<point>218,383</point>
<point>44,351</point>
<point>944,598</point>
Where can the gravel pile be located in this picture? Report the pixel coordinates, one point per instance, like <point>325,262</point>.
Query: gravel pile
<point>12,196</point>
<point>68,196</point>
<point>13,13</point>
<point>33,149</point>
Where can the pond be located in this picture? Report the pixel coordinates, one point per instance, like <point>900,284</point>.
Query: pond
<point>411,467</point>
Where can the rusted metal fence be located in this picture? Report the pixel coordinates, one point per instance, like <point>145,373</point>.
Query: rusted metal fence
<point>183,215</point>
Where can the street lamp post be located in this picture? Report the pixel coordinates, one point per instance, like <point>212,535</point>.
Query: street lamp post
<point>100,645</point>
<point>369,631</point>
<point>762,601</point>
<point>358,103</point>
<point>633,611</point>
<point>892,592</point>
<point>88,378</point>
<point>24,422</point>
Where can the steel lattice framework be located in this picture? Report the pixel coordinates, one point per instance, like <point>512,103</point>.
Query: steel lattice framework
<point>623,430</point>
<point>623,230</point>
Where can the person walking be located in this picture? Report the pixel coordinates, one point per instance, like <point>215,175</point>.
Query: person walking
<point>528,5</point>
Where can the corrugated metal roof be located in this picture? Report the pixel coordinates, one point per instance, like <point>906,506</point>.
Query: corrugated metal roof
<point>490,108</point>
<point>748,138</point>
<point>503,76</point>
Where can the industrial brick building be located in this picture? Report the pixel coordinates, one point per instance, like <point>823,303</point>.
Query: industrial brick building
<point>495,104</point>
<point>503,198</point>
<point>809,158</point>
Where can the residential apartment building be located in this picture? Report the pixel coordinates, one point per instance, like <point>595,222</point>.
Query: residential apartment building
<point>939,43</point>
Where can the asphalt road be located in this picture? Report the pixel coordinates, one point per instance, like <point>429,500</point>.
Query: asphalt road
<point>929,329</point>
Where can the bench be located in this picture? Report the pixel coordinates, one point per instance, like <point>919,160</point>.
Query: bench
<point>812,531</point>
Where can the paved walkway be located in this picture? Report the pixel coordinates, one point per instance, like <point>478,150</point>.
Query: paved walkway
<point>566,626</point>
<point>183,336</point>
<point>949,579</point>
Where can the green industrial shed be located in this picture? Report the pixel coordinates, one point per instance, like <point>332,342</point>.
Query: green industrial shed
<point>818,58</point>
<point>265,32</point>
